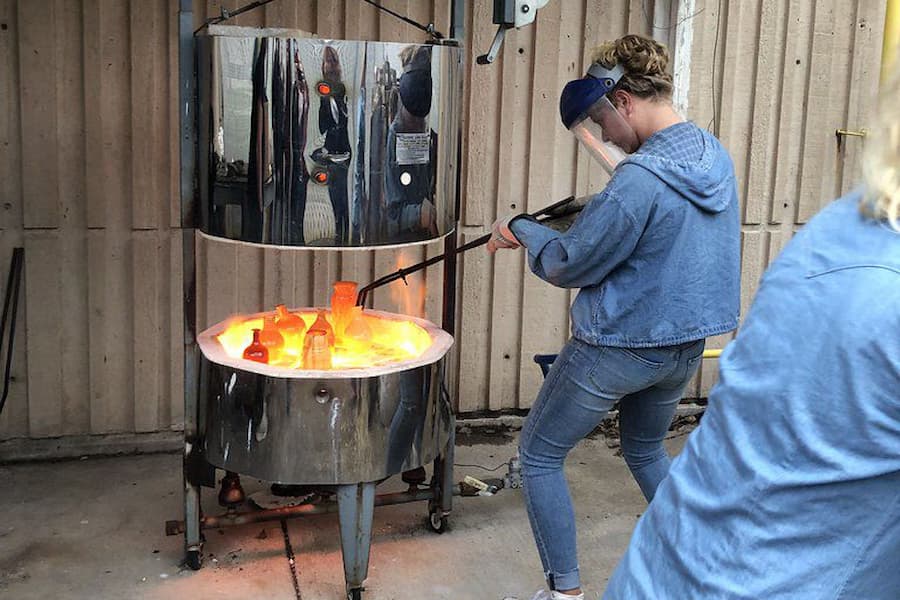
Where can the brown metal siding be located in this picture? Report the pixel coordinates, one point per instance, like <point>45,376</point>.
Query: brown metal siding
<point>89,178</point>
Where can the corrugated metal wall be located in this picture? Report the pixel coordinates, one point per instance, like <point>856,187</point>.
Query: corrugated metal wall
<point>89,180</point>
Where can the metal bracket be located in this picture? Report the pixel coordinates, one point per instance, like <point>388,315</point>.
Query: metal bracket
<point>486,59</point>
<point>851,132</point>
<point>509,14</point>
<point>840,134</point>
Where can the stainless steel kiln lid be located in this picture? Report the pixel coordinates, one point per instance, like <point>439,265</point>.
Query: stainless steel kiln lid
<point>326,143</point>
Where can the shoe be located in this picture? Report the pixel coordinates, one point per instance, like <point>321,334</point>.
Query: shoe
<point>545,595</point>
<point>548,595</point>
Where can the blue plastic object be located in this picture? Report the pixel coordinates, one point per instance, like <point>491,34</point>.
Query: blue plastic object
<point>544,361</point>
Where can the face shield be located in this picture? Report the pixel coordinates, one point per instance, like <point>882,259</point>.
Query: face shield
<point>587,112</point>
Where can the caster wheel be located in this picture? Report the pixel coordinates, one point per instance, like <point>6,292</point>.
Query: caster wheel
<point>437,521</point>
<point>355,594</point>
<point>193,560</point>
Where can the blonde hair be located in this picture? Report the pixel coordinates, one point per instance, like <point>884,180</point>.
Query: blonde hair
<point>881,157</point>
<point>644,61</point>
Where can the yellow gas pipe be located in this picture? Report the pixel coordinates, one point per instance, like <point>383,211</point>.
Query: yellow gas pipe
<point>891,37</point>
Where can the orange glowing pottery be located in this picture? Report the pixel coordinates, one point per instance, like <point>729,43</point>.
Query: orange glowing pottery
<point>343,299</point>
<point>316,352</point>
<point>271,338</point>
<point>256,351</point>
<point>321,324</point>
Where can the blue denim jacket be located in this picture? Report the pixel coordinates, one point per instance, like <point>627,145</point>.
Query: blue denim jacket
<point>790,487</point>
<point>656,253</point>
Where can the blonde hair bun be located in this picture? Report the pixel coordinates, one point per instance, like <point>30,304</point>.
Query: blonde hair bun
<point>637,54</point>
<point>644,61</point>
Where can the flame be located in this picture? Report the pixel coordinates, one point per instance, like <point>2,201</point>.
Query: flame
<point>385,341</point>
<point>409,297</point>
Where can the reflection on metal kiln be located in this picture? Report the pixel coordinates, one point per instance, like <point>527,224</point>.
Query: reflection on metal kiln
<point>325,431</point>
<point>326,143</point>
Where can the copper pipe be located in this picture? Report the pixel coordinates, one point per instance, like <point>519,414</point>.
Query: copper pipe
<point>288,512</point>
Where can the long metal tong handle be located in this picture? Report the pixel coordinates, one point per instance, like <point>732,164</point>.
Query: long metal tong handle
<point>10,301</point>
<point>402,273</point>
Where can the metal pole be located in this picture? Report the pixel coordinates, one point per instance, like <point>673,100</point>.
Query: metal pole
<point>458,20</point>
<point>443,465</point>
<point>448,316</point>
<point>356,503</point>
<point>187,137</point>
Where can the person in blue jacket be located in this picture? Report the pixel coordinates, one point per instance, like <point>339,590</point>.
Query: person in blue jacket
<point>656,256</point>
<point>790,486</point>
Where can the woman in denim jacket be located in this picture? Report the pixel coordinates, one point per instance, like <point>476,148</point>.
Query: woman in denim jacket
<point>790,487</point>
<point>656,256</point>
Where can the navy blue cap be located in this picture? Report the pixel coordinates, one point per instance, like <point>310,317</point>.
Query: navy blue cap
<point>580,94</point>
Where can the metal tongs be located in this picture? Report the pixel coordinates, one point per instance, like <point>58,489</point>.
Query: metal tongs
<point>554,211</point>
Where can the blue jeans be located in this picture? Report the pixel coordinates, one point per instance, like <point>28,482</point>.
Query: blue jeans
<point>584,382</point>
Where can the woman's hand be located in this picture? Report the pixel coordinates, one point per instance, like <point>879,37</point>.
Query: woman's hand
<point>502,236</point>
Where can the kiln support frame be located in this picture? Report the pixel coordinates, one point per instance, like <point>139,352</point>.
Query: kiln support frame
<point>354,502</point>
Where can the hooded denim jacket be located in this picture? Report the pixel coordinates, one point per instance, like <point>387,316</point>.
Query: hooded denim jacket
<point>656,253</point>
<point>790,486</point>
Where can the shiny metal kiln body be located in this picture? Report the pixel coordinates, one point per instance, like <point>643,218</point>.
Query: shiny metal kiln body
<point>324,431</point>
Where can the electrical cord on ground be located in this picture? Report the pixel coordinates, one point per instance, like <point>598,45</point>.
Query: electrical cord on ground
<point>482,467</point>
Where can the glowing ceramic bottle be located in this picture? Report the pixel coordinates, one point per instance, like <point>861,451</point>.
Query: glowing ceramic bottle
<point>316,351</point>
<point>291,327</point>
<point>256,351</point>
<point>358,330</point>
<point>343,299</point>
<point>321,324</point>
<point>271,338</point>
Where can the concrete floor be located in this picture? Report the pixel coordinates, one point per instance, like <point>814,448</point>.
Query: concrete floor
<point>94,528</point>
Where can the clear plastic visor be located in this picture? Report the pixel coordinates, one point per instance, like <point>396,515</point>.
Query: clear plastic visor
<point>605,134</point>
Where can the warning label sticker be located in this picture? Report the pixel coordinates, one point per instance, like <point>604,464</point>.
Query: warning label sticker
<point>412,148</point>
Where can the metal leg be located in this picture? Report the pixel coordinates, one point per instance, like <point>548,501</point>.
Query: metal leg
<point>193,541</point>
<point>356,503</point>
<point>192,535</point>
<point>442,485</point>
<point>447,471</point>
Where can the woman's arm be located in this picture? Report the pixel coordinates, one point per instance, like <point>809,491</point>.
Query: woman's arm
<point>603,236</point>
